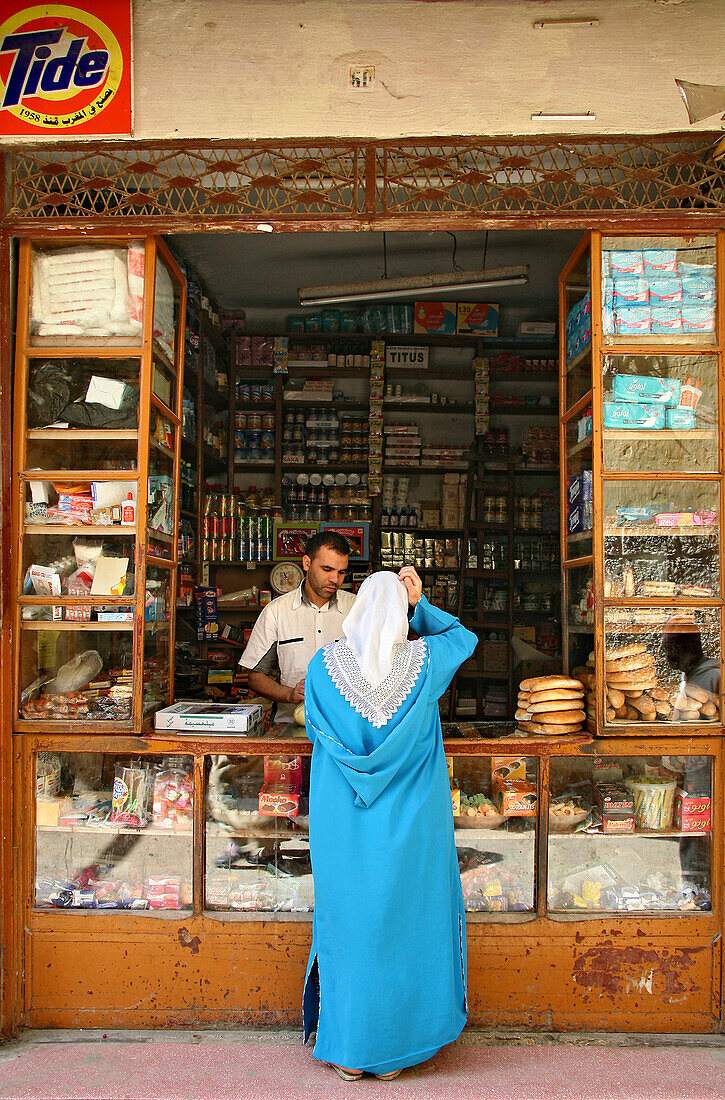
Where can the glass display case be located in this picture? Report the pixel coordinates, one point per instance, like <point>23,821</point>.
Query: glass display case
<point>113,831</point>
<point>630,834</point>
<point>99,378</point>
<point>642,492</point>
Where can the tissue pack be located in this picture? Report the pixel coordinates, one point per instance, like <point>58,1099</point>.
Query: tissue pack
<point>637,387</point>
<point>635,415</point>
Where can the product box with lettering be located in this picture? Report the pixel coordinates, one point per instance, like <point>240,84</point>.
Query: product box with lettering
<point>402,357</point>
<point>280,795</point>
<point>515,798</point>
<point>636,387</point>
<point>478,317</point>
<point>615,804</point>
<point>692,812</point>
<point>580,517</point>
<point>507,767</point>
<point>580,488</point>
<point>191,717</point>
<point>207,619</point>
<point>435,317</point>
<point>634,415</point>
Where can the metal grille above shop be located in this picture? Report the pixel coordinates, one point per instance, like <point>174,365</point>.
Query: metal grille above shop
<point>374,181</point>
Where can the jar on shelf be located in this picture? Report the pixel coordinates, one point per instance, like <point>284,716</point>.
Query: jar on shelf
<point>173,794</point>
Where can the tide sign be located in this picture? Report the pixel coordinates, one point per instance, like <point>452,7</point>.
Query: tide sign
<point>65,69</point>
<point>406,357</point>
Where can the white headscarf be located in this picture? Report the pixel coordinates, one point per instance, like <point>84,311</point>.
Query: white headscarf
<point>377,622</point>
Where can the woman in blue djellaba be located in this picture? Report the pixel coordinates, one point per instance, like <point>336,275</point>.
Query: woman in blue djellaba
<point>386,979</point>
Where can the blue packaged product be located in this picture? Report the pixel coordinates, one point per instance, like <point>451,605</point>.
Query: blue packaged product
<point>698,318</point>
<point>626,262</point>
<point>659,261</point>
<point>666,319</point>
<point>580,488</point>
<point>640,387</point>
<point>295,323</point>
<point>633,415</point>
<point>698,289</point>
<point>580,517</point>
<point>330,320</point>
<point>685,268</point>
<point>349,320</point>
<point>633,320</point>
<point>313,322</point>
<point>630,290</point>
<point>629,515</point>
<point>679,419</point>
<point>665,290</point>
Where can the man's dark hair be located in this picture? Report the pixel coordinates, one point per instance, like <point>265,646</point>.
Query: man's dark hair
<point>331,539</point>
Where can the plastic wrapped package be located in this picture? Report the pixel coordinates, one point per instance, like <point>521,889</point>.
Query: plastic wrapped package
<point>164,309</point>
<point>82,291</point>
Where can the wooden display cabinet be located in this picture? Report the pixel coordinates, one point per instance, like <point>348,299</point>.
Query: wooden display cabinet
<point>641,487</point>
<point>620,930</point>
<point>98,396</point>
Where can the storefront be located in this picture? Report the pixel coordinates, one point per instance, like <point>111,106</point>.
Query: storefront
<point>191,907</point>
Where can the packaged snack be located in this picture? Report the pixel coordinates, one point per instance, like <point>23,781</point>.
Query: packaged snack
<point>616,807</point>
<point>654,802</point>
<point>692,812</point>
<point>504,768</point>
<point>516,798</point>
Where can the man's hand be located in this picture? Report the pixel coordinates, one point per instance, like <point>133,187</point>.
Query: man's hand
<point>413,584</point>
<point>297,693</point>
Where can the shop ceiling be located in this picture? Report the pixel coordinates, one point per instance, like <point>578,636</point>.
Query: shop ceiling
<point>264,270</point>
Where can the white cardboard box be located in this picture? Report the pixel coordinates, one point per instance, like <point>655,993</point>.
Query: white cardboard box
<point>212,718</point>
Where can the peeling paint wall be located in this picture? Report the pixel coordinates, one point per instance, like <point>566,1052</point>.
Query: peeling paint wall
<point>254,68</point>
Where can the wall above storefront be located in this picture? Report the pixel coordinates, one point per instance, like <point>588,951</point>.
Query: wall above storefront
<point>219,68</point>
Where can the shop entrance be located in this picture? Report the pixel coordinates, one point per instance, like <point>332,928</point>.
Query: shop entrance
<point>237,955</point>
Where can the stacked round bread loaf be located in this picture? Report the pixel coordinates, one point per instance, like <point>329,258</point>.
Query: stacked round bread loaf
<point>551,705</point>
<point>635,694</point>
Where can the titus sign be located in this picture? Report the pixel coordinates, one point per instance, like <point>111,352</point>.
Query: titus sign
<point>64,69</point>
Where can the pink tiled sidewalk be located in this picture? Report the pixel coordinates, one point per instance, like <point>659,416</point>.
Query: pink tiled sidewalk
<point>273,1065</point>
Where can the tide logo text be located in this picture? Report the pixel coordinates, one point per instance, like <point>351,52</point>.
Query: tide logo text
<point>48,62</point>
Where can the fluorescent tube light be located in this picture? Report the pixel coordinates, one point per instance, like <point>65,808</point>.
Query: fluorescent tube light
<point>583,116</point>
<point>416,286</point>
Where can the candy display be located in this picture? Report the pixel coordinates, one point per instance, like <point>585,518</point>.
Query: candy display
<point>173,795</point>
<point>654,802</point>
<point>132,795</point>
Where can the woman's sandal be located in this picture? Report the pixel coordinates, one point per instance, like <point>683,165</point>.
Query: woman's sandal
<point>344,1074</point>
<point>388,1076</point>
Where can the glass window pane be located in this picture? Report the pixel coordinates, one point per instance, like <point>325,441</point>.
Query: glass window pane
<point>113,832</point>
<point>658,290</point>
<point>662,665</point>
<point>662,538</point>
<point>257,847</point>
<point>630,834</point>
<point>73,673</point>
<point>65,563</point>
<point>494,806</point>
<point>73,507</point>
<point>166,312</point>
<point>89,294</point>
<point>157,635</point>
<point>660,412</point>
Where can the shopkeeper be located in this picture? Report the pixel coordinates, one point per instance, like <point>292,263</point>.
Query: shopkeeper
<point>291,629</point>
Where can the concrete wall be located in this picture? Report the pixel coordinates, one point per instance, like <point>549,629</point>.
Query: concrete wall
<point>260,68</point>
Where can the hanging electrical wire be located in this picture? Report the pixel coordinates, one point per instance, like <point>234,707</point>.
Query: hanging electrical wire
<point>456,267</point>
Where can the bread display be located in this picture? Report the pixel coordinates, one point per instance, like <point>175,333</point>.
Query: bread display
<point>551,705</point>
<point>635,693</point>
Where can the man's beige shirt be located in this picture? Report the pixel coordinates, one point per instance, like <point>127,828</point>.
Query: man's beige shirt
<point>290,630</point>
